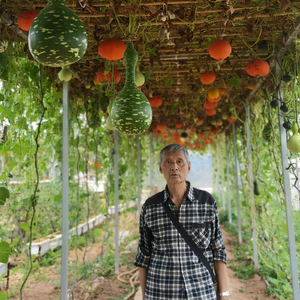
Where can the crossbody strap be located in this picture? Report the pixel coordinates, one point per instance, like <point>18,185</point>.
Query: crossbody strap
<point>189,240</point>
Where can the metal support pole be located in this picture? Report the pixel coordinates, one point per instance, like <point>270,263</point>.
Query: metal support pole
<point>288,196</point>
<point>228,182</point>
<point>65,195</point>
<point>222,175</point>
<point>250,177</point>
<point>116,202</point>
<point>237,183</point>
<point>150,167</point>
<point>138,143</point>
<point>217,174</point>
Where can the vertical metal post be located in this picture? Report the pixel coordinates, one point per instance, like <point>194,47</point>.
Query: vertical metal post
<point>116,202</point>
<point>138,143</point>
<point>217,174</point>
<point>222,174</point>
<point>250,177</point>
<point>228,182</point>
<point>237,183</point>
<point>65,194</point>
<point>150,167</point>
<point>288,196</point>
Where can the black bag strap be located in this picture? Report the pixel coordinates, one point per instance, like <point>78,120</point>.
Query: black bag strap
<point>189,240</point>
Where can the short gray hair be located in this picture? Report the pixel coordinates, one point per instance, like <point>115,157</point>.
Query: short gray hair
<point>172,149</point>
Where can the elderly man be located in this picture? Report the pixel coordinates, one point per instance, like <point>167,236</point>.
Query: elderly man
<point>168,268</point>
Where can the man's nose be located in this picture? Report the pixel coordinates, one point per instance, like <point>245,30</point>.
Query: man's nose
<point>174,166</point>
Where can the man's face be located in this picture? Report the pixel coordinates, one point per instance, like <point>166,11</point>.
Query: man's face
<point>174,167</point>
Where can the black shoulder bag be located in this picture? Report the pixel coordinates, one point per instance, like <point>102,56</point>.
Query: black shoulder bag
<point>191,243</point>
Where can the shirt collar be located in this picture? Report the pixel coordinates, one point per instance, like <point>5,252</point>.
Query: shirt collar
<point>190,194</point>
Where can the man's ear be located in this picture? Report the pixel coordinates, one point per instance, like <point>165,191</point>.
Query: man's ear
<point>160,170</point>
<point>189,167</point>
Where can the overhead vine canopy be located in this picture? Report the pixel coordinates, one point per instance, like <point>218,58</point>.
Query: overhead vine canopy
<point>172,40</point>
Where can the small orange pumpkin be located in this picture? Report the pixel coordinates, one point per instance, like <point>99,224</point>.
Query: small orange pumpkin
<point>213,93</point>
<point>219,49</point>
<point>155,101</point>
<point>222,91</point>
<point>201,135</point>
<point>161,127</point>
<point>250,86</point>
<point>200,120</point>
<point>178,125</point>
<point>165,135</point>
<point>25,19</point>
<point>154,127</point>
<point>215,99</point>
<point>101,76</point>
<point>257,67</point>
<point>231,120</point>
<point>176,135</point>
<point>158,132</point>
<point>112,49</point>
<point>207,77</point>
<point>197,146</point>
<point>209,105</point>
<point>214,131</point>
<point>210,112</point>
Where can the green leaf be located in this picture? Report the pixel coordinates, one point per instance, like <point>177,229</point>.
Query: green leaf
<point>169,82</point>
<point>234,81</point>
<point>5,251</point>
<point>25,226</point>
<point>2,296</point>
<point>147,74</point>
<point>4,194</point>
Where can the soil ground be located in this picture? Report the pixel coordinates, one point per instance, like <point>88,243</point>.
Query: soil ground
<point>44,284</point>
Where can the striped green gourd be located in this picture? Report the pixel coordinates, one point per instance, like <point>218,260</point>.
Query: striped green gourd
<point>131,112</point>
<point>57,37</point>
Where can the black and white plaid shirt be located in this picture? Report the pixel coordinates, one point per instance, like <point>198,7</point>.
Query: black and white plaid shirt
<point>174,271</point>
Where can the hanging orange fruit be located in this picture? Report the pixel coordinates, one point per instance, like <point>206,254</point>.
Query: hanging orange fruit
<point>154,127</point>
<point>213,94</point>
<point>257,67</point>
<point>230,119</point>
<point>219,49</point>
<point>210,105</point>
<point>210,112</point>
<point>250,86</point>
<point>201,135</point>
<point>112,49</point>
<point>161,127</point>
<point>176,135</point>
<point>155,101</point>
<point>101,76</point>
<point>178,125</point>
<point>25,19</point>
<point>207,77</point>
<point>200,120</point>
<point>158,132</point>
<point>165,135</point>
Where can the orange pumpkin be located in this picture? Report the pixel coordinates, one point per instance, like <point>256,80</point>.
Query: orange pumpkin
<point>176,135</point>
<point>161,127</point>
<point>139,87</point>
<point>158,132</point>
<point>155,101</point>
<point>214,131</point>
<point>101,76</point>
<point>25,19</point>
<point>112,49</point>
<point>257,67</point>
<point>210,112</point>
<point>165,135</point>
<point>182,143</point>
<point>209,105</point>
<point>231,120</point>
<point>215,99</point>
<point>213,93</point>
<point>207,77</point>
<point>222,91</point>
<point>197,146</point>
<point>154,127</point>
<point>200,120</point>
<point>219,49</point>
<point>201,135</point>
<point>178,125</point>
<point>250,86</point>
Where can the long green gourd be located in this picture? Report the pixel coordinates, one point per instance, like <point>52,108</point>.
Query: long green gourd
<point>131,112</point>
<point>57,37</point>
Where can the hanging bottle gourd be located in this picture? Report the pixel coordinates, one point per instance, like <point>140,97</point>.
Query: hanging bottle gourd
<point>57,37</point>
<point>293,143</point>
<point>131,112</point>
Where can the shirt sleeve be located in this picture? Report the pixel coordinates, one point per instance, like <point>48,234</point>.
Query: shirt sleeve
<point>217,244</point>
<point>144,247</point>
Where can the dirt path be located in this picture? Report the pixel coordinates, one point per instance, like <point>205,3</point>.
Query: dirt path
<point>251,289</point>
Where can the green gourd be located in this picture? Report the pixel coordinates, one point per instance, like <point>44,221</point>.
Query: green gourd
<point>131,112</point>
<point>139,77</point>
<point>57,37</point>
<point>293,143</point>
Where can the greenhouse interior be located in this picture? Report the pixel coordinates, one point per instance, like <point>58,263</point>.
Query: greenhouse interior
<point>91,91</point>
